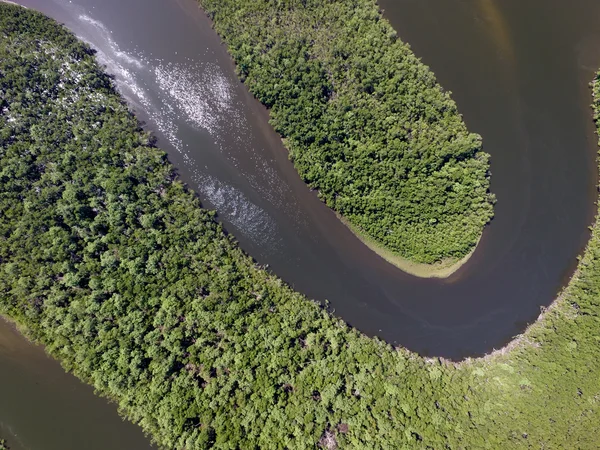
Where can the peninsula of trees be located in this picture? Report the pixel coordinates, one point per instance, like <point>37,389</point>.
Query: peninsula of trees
<point>111,263</point>
<point>365,123</point>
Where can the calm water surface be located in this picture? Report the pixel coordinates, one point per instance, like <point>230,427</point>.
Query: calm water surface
<point>44,408</point>
<point>519,72</point>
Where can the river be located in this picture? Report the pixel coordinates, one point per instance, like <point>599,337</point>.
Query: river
<point>44,408</point>
<point>519,72</point>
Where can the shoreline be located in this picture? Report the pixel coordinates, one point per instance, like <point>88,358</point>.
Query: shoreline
<point>507,396</point>
<point>439,270</point>
<point>13,3</point>
<point>559,308</point>
<point>323,181</point>
<point>443,269</point>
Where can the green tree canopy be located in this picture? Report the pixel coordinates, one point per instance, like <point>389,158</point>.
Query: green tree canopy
<point>111,263</point>
<point>364,120</point>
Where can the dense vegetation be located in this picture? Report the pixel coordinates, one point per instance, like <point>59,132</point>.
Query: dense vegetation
<point>112,264</point>
<point>364,120</point>
<point>3,445</point>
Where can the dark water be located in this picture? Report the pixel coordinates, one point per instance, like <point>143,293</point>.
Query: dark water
<point>519,72</point>
<point>44,408</point>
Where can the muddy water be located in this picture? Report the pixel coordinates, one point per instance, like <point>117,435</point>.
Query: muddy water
<point>44,408</point>
<point>519,72</point>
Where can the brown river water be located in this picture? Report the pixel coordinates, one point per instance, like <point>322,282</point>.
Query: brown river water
<point>519,71</point>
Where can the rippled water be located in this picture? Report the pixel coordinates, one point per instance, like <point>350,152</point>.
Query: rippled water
<point>524,92</point>
<point>184,96</point>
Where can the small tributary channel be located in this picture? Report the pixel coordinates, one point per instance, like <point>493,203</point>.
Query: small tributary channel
<point>519,72</point>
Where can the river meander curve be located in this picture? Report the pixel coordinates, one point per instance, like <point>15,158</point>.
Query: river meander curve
<point>524,88</point>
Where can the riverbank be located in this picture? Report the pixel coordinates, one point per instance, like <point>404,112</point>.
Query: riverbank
<point>365,123</point>
<point>137,290</point>
<point>442,269</point>
<point>63,403</point>
<point>16,4</point>
<point>545,381</point>
<point>565,306</point>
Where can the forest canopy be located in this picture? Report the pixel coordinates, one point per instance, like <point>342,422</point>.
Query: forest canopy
<point>365,122</point>
<point>112,264</point>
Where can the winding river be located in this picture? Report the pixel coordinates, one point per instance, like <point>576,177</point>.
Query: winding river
<point>519,72</point>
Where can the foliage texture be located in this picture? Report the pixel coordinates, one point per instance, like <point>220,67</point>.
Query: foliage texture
<point>364,120</point>
<point>113,265</point>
